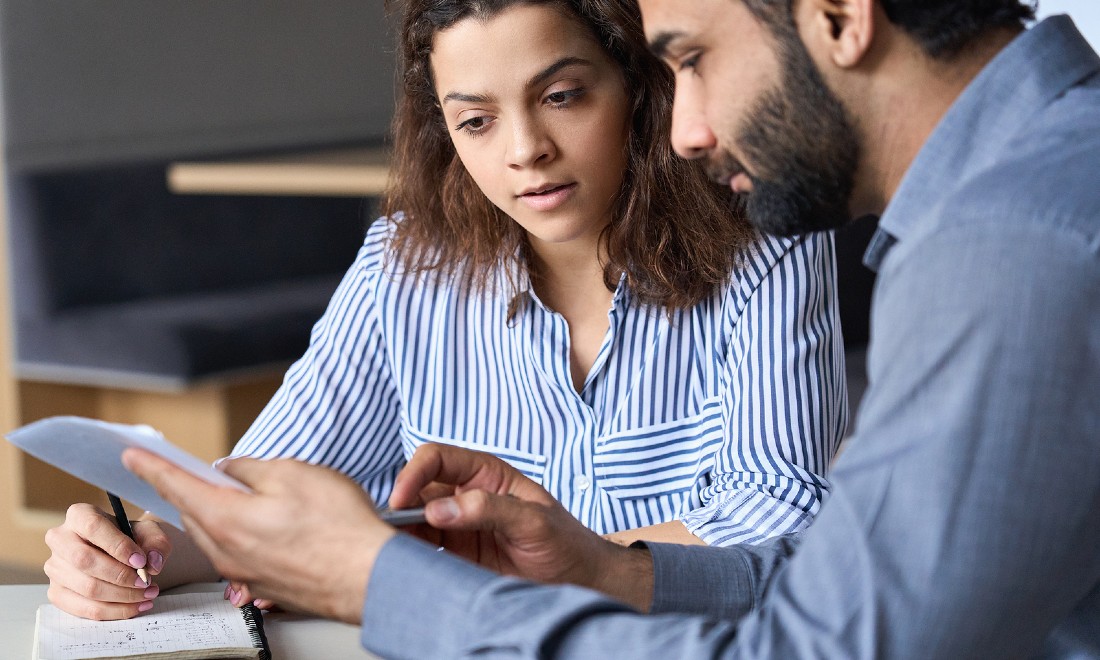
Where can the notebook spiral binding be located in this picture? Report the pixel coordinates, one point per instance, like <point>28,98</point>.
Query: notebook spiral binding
<point>254,622</point>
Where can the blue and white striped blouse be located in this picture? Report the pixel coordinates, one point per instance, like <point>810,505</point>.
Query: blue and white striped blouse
<point>725,418</point>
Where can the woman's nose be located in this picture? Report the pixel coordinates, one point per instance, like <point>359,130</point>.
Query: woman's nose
<point>530,144</point>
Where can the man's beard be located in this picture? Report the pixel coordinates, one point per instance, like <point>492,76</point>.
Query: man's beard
<point>803,149</point>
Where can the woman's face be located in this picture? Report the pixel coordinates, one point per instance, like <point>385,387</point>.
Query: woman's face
<point>539,115</point>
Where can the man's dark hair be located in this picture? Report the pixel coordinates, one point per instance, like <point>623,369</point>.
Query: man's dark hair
<point>942,28</point>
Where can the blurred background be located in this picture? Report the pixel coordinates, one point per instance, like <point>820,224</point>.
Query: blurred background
<point>185,181</point>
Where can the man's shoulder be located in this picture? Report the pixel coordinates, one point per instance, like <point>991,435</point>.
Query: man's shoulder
<point>1023,227</point>
<point>1044,180</point>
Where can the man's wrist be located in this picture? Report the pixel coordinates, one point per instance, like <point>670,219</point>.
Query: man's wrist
<point>626,574</point>
<point>351,607</point>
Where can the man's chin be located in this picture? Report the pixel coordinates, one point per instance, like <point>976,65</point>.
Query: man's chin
<point>790,214</point>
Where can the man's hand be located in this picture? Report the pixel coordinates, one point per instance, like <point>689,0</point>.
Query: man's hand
<point>486,511</point>
<point>307,537</point>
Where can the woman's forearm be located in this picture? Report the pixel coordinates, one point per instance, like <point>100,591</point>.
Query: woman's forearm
<point>669,532</point>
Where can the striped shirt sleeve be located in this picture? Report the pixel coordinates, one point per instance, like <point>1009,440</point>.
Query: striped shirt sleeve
<point>338,405</point>
<point>785,404</point>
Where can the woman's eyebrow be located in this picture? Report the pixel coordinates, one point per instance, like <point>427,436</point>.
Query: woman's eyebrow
<point>469,98</point>
<point>541,76</point>
<point>535,80</point>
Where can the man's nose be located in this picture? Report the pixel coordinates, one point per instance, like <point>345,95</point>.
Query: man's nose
<point>692,136</point>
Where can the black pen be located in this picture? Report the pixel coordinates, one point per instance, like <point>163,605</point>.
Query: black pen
<point>124,526</point>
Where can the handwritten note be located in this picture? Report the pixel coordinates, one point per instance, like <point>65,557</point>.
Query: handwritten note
<point>177,622</point>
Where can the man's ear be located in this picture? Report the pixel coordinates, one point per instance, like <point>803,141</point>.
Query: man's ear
<point>839,30</point>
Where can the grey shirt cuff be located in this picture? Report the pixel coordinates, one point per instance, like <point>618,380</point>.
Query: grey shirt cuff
<point>724,582</point>
<point>412,581</point>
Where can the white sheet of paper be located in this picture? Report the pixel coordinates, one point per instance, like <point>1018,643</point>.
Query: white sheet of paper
<point>91,450</point>
<point>177,622</point>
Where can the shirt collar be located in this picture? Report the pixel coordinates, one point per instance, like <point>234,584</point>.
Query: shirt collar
<point>1037,66</point>
<point>525,292</point>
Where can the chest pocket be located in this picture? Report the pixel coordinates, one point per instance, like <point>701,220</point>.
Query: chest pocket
<point>659,460</point>
<point>533,466</point>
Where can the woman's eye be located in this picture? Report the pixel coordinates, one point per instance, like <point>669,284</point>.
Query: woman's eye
<point>690,63</point>
<point>474,125</point>
<point>564,97</point>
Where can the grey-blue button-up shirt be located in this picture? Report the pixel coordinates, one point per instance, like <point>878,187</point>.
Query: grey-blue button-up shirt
<point>965,516</point>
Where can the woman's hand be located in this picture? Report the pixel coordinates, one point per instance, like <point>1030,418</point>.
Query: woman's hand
<point>238,593</point>
<point>93,565</point>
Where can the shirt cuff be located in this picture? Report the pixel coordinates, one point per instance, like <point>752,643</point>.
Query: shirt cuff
<point>414,585</point>
<point>692,579</point>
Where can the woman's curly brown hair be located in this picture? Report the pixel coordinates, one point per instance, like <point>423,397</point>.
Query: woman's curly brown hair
<point>673,234</point>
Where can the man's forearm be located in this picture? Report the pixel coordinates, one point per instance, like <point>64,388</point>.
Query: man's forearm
<point>724,582</point>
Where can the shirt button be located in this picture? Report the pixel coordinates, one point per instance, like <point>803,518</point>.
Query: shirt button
<point>583,482</point>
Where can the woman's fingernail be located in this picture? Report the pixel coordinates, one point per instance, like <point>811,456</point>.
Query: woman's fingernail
<point>152,592</point>
<point>146,606</point>
<point>138,582</point>
<point>444,509</point>
<point>256,602</point>
<point>137,560</point>
<point>234,597</point>
<point>156,560</point>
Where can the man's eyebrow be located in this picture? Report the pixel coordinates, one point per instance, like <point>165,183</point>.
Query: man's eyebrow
<point>541,76</point>
<point>659,44</point>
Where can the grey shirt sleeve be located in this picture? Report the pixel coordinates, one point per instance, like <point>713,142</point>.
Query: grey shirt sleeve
<point>423,603</point>
<point>963,517</point>
<point>686,577</point>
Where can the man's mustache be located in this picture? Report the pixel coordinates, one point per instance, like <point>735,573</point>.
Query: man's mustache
<point>722,167</point>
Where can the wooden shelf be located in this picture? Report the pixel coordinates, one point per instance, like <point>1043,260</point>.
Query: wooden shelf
<point>338,172</point>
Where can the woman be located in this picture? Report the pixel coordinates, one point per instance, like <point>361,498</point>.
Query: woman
<point>553,286</point>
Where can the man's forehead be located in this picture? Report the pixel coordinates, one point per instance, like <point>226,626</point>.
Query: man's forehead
<point>665,20</point>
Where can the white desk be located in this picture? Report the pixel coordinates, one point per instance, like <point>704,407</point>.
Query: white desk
<point>290,636</point>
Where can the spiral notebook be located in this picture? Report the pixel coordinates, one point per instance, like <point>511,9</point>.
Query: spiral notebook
<point>180,626</point>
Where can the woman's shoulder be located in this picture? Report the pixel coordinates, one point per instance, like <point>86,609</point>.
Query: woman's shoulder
<point>767,255</point>
<point>381,260</point>
<point>381,231</point>
<point>377,253</point>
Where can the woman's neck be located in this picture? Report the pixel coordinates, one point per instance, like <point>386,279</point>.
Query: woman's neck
<point>569,279</point>
<point>567,274</point>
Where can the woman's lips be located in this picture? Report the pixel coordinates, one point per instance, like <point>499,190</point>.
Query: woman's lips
<point>549,199</point>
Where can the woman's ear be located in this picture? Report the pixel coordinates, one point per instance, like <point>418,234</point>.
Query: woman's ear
<point>839,31</point>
